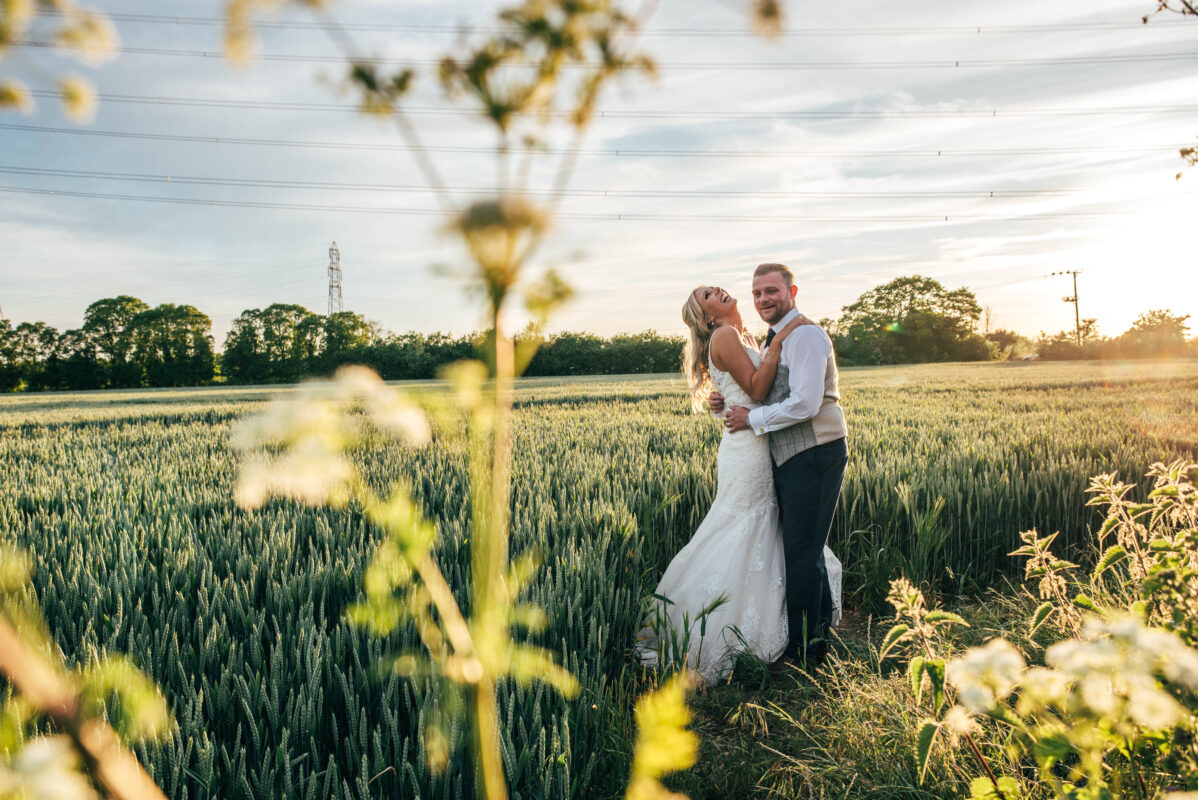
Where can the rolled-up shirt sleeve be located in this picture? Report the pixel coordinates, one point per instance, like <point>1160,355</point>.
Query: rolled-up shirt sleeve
<point>805,352</point>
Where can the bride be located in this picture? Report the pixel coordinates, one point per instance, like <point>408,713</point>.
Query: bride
<point>725,590</point>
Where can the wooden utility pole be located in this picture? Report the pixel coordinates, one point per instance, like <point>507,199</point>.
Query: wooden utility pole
<point>1077,317</point>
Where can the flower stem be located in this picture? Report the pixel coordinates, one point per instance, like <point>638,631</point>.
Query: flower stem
<point>486,728</point>
<point>985,765</point>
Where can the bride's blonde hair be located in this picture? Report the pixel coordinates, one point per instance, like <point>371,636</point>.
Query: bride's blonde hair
<point>694,353</point>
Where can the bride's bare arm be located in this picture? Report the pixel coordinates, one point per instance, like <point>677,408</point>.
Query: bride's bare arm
<point>728,353</point>
<point>782,335</point>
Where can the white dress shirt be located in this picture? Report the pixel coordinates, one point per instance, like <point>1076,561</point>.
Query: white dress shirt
<point>805,353</point>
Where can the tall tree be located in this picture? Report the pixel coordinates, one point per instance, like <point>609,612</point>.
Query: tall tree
<point>911,319</point>
<point>291,337</point>
<point>639,353</point>
<point>10,367</point>
<point>244,358</point>
<point>403,357</point>
<point>107,322</point>
<point>1156,333</point>
<point>1007,343</point>
<point>35,347</point>
<point>78,363</point>
<point>345,336</point>
<point>569,354</point>
<point>276,344</point>
<point>172,345</point>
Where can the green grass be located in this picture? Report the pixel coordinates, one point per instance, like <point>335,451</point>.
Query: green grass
<point>846,730</point>
<point>125,501</point>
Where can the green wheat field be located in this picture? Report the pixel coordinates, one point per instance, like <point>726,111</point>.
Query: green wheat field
<point>125,502</point>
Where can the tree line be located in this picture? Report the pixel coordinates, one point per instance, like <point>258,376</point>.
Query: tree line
<point>916,319</point>
<point>1155,334</point>
<point>282,343</point>
<point>124,343</point>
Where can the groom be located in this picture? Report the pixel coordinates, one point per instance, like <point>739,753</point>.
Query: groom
<point>806,429</point>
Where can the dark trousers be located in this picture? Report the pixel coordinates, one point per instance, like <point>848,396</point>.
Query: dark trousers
<point>808,487</point>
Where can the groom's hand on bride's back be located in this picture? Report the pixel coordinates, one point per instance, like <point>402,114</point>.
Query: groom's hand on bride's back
<point>716,401</point>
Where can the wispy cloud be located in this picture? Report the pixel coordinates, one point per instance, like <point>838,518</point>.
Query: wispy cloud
<point>844,199</point>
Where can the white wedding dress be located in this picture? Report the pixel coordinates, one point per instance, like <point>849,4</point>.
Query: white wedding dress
<point>736,552</point>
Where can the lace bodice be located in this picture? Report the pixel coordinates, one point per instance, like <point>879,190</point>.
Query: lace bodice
<point>744,462</point>
<point>726,385</point>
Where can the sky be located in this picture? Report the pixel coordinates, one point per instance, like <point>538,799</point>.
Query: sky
<point>983,145</point>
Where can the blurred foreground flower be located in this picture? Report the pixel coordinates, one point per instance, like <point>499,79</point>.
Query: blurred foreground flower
<point>499,234</point>
<point>79,703</point>
<point>47,768</point>
<point>14,94</point>
<point>986,675</point>
<point>309,431</point>
<point>1119,688</point>
<point>78,98</point>
<point>88,35</point>
<point>1113,675</point>
<point>663,742</point>
<point>959,721</point>
<point>299,447</point>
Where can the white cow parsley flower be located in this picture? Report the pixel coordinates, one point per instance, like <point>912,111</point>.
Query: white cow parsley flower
<point>310,430</point>
<point>46,768</point>
<point>986,675</point>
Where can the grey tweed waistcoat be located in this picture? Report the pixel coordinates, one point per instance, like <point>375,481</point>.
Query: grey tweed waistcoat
<point>788,442</point>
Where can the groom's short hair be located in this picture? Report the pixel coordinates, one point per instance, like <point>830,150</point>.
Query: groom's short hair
<point>766,269</point>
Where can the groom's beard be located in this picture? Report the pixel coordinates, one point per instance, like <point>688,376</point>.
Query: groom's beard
<point>778,313</point>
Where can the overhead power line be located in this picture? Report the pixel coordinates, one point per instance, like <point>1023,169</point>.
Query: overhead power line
<point>947,63</point>
<point>155,289</point>
<point>41,276</point>
<point>1011,282</point>
<point>929,30</point>
<point>612,217</point>
<point>490,190</point>
<point>597,151</point>
<point>677,114</point>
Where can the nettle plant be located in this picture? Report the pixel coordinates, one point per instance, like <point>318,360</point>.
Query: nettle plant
<point>1111,711</point>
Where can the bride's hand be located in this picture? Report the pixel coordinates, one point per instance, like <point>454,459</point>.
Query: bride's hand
<point>775,348</point>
